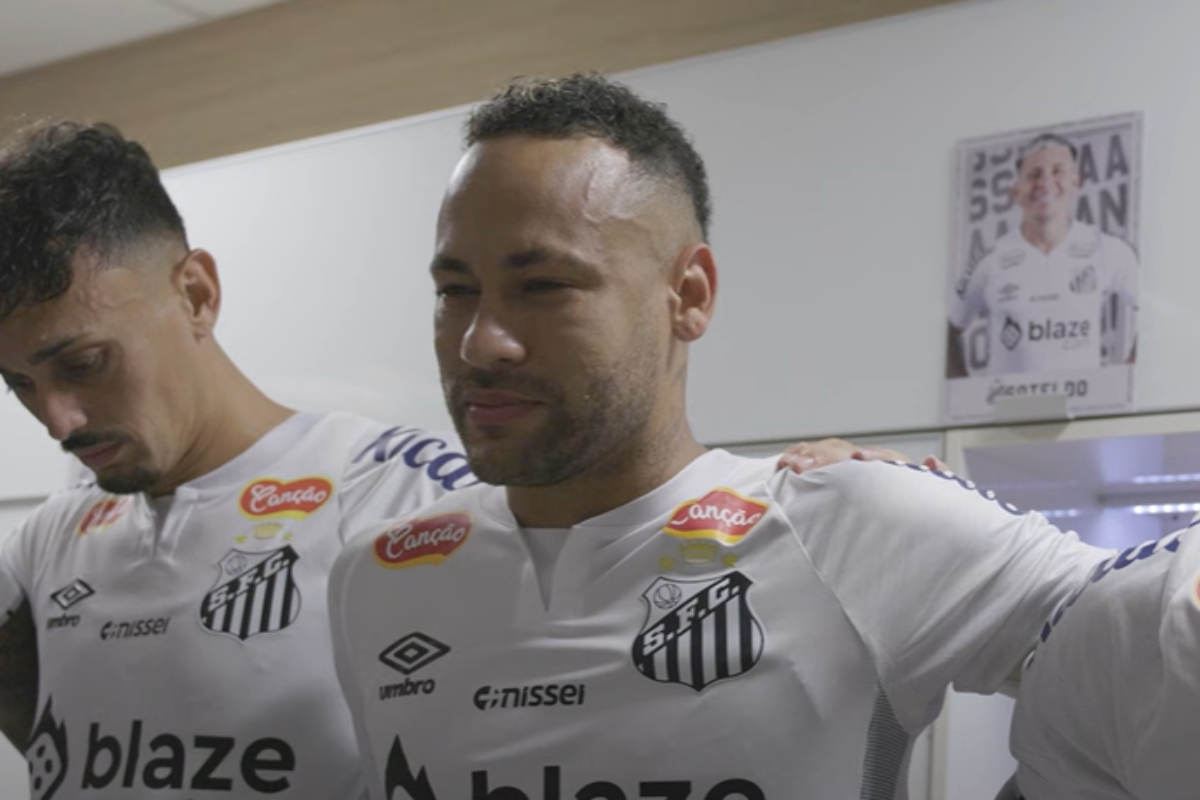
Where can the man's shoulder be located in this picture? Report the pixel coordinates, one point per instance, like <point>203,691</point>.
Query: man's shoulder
<point>76,510</point>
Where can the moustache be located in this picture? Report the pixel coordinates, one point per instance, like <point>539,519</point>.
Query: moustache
<point>79,441</point>
<point>532,387</point>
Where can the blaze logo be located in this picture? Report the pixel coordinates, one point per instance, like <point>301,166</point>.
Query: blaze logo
<point>722,514</point>
<point>422,541</point>
<point>47,755</point>
<point>270,497</point>
<point>103,514</point>
<point>398,775</point>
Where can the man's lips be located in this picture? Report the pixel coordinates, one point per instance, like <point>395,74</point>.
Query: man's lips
<point>97,455</point>
<point>487,407</point>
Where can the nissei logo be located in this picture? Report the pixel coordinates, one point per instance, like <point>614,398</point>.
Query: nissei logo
<point>134,629</point>
<point>166,761</point>
<point>550,694</point>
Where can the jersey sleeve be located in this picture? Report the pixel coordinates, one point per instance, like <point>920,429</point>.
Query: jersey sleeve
<point>944,583</point>
<point>394,471</point>
<point>13,563</point>
<point>344,660</point>
<point>966,300</point>
<point>1110,704</point>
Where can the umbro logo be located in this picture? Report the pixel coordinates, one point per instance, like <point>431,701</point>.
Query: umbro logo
<point>75,592</point>
<point>413,652</point>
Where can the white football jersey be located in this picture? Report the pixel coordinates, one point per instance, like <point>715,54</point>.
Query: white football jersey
<point>1071,308</point>
<point>184,642</point>
<point>736,634</point>
<point>1109,707</point>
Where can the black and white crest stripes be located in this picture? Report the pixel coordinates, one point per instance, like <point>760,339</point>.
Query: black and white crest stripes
<point>255,593</point>
<point>698,632</point>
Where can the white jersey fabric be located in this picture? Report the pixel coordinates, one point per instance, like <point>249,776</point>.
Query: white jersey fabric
<point>184,645</point>
<point>1051,311</point>
<point>1109,707</point>
<point>736,634</point>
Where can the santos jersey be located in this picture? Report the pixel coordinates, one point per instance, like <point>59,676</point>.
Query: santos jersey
<point>1056,310</point>
<point>184,646</point>
<point>1109,707</point>
<point>736,634</point>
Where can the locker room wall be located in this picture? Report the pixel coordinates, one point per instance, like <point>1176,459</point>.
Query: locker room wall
<point>831,159</point>
<point>831,162</point>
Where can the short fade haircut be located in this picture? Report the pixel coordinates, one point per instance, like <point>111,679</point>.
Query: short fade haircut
<point>592,105</point>
<point>1043,140</point>
<point>67,187</point>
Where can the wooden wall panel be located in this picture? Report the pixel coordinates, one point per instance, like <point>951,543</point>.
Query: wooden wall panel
<point>309,67</point>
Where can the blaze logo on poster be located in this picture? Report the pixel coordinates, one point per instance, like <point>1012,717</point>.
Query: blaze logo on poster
<point>698,632</point>
<point>254,593</point>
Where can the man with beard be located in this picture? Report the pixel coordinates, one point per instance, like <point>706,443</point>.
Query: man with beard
<point>1057,293</point>
<point>624,613</point>
<point>179,603</point>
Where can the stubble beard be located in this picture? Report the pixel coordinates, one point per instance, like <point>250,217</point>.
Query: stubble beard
<point>606,418</point>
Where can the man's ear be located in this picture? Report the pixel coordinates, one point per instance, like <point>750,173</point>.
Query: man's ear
<point>195,277</point>
<point>694,293</point>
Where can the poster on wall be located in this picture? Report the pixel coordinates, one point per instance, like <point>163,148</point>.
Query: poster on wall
<point>1044,273</point>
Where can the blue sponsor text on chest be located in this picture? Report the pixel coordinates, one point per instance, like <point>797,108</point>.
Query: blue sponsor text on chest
<point>421,452</point>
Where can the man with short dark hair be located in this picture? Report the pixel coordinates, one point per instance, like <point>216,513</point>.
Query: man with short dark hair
<point>179,603</point>
<point>1057,293</point>
<point>624,613</point>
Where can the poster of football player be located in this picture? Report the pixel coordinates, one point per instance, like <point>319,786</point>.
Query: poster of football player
<point>1044,272</point>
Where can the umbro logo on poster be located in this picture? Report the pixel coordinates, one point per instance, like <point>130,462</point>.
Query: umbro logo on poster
<point>75,592</point>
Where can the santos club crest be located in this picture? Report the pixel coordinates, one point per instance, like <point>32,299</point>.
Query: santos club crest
<point>255,593</point>
<point>698,632</point>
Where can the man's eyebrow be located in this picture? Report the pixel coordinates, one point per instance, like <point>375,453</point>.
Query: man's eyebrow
<point>51,350</point>
<point>449,264</point>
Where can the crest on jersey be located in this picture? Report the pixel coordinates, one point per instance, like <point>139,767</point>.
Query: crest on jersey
<point>254,593</point>
<point>1084,281</point>
<point>47,755</point>
<point>698,632</point>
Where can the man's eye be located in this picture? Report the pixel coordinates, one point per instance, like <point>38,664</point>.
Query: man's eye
<point>455,290</point>
<point>542,285</point>
<point>83,365</point>
<point>13,383</point>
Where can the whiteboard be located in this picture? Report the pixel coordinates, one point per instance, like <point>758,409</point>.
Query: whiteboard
<point>831,161</point>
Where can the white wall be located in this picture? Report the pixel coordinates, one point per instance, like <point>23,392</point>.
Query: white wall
<point>831,159</point>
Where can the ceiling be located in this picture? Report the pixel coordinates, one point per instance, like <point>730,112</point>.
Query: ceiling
<point>37,32</point>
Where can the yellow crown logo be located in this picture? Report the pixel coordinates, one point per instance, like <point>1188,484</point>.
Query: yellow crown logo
<point>267,530</point>
<point>698,551</point>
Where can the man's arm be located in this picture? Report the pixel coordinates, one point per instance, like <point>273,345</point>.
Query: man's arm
<point>18,676</point>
